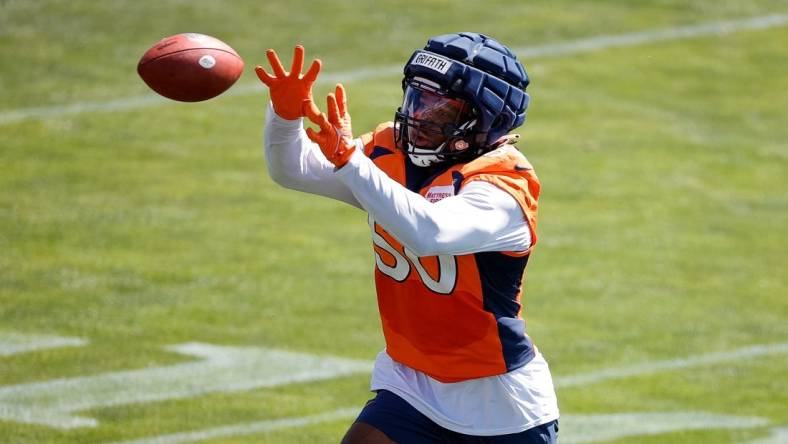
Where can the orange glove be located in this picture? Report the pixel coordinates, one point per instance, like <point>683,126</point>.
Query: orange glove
<point>336,136</point>
<point>289,90</point>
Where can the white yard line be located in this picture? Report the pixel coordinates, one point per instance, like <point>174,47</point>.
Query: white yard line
<point>217,369</point>
<point>671,364</point>
<point>248,428</point>
<point>575,428</point>
<point>653,36</point>
<point>13,343</point>
<point>547,50</point>
<point>777,435</point>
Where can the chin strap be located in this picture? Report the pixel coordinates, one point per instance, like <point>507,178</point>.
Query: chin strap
<point>429,159</point>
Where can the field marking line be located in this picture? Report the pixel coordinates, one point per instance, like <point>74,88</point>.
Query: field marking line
<point>217,369</point>
<point>546,50</point>
<point>575,428</point>
<point>15,343</point>
<point>248,428</point>
<point>670,364</point>
<point>654,36</point>
<point>777,435</point>
<point>581,428</point>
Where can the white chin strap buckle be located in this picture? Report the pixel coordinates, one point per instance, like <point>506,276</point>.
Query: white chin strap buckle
<point>421,157</point>
<point>422,160</point>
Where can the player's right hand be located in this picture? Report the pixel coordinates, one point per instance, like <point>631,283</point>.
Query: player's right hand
<point>289,90</point>
<point>335,137</point>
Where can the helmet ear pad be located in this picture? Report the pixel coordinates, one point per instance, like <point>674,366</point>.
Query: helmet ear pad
<point>500,106</point>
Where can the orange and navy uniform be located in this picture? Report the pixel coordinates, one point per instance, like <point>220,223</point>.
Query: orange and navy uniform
<point>453,317</point>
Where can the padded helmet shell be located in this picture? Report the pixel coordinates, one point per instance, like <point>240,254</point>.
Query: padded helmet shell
<point>478,69</point>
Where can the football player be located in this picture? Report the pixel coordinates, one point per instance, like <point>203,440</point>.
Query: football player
<point>452,208</point>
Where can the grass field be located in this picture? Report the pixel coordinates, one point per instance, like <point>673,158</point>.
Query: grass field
<point>129,225</point>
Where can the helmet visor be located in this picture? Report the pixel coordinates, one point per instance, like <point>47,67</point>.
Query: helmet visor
<point>432,118</point>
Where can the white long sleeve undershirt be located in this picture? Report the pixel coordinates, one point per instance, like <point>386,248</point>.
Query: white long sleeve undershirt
<point>482,217</point>
<point>296,163</point>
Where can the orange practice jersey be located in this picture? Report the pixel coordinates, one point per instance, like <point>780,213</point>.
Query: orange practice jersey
<point>453,317</point>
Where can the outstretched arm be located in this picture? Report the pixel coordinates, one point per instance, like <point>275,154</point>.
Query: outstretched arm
<point>292,160</point>
<point>482,217</point>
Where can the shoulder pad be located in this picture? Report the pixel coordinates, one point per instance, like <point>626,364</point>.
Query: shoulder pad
<point>382,136</point>
<point>505,159</point>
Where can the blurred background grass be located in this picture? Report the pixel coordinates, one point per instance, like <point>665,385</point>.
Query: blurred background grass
<point>662,223</point>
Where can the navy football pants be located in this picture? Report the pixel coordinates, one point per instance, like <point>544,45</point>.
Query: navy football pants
<point>404,424</point>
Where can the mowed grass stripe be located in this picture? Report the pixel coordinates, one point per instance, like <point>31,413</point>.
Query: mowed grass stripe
<point>546,50</point>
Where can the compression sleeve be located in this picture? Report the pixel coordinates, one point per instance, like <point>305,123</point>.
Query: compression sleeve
<point>482,217</point>
<point>295,162</point>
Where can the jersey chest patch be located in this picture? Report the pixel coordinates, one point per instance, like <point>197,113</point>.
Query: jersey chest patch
<point>439,192</point>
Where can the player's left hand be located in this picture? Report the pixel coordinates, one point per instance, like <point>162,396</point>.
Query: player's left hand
<point>289,90</point>
<point>335,137</point>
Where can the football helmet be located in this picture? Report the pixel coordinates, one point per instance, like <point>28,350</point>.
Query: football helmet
<point>462,93</point>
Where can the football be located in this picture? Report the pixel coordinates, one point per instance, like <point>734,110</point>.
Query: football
<point>190,67</point>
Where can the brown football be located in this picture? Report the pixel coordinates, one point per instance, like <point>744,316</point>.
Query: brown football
<point>190,67</point>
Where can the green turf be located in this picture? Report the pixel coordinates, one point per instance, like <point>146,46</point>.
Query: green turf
<point>662,228</point>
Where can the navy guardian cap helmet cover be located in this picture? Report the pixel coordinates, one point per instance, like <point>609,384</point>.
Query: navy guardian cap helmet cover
<point>454,68</point>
